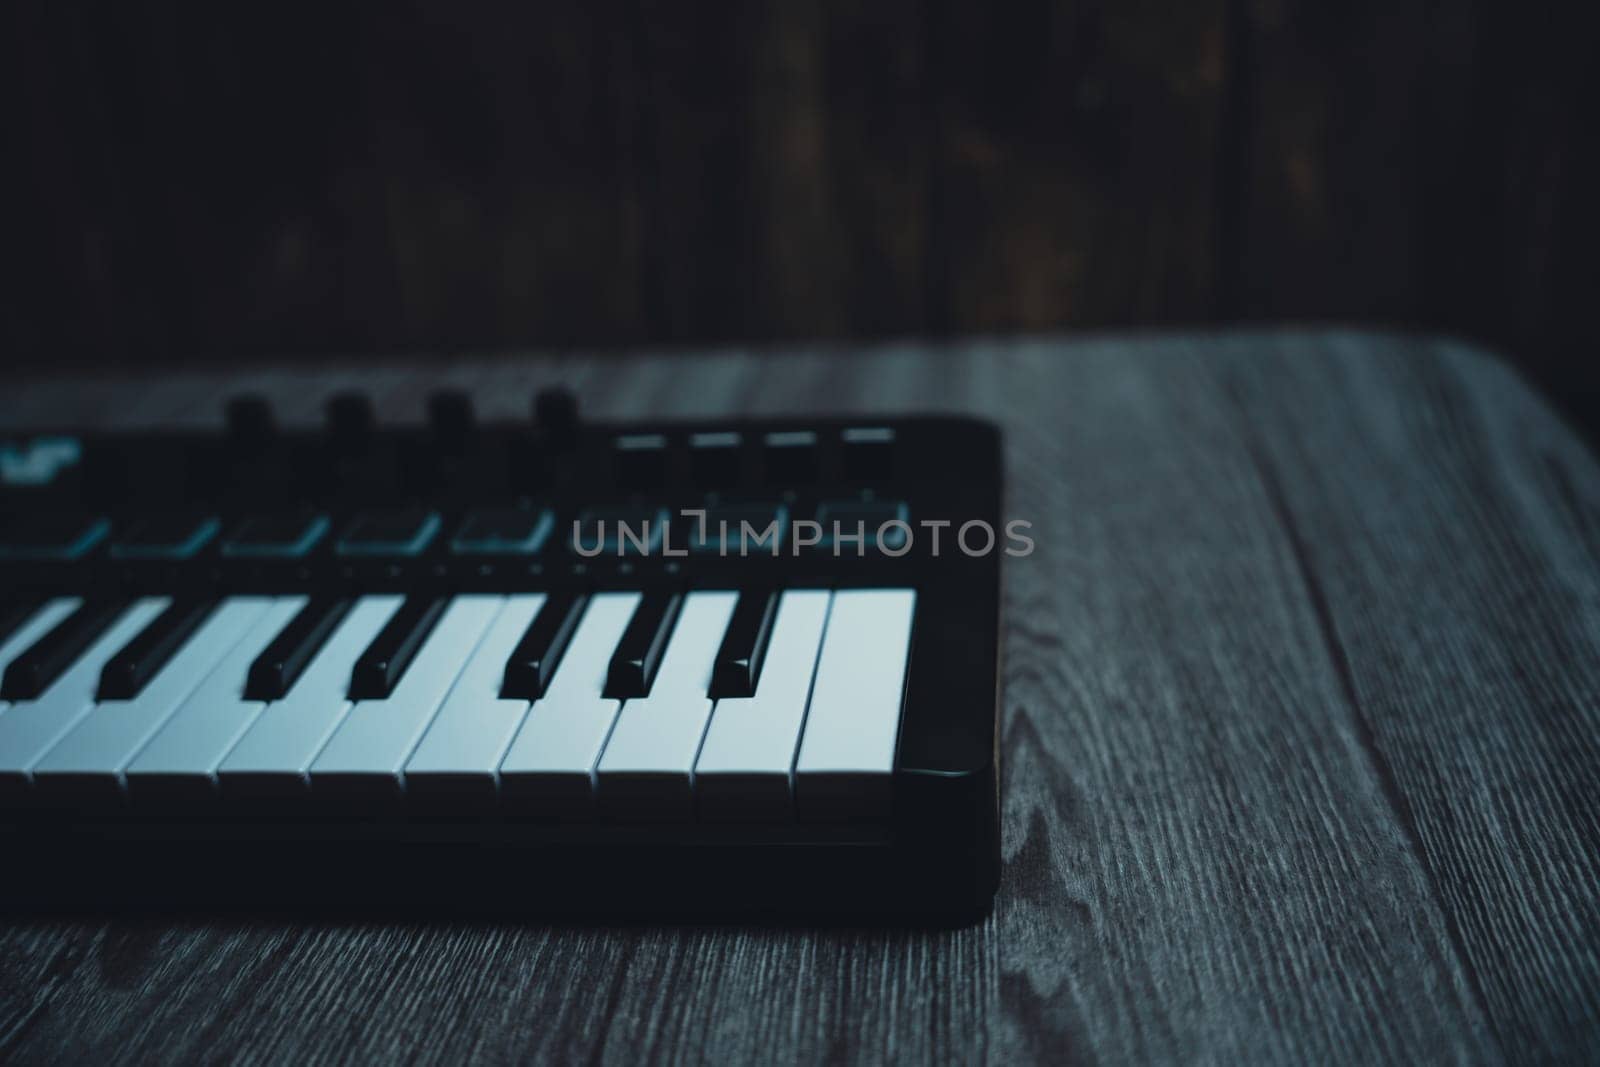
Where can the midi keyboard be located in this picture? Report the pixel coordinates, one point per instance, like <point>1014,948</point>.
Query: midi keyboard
<point>709,669</point>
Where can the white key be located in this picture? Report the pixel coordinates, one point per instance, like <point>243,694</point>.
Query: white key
<point>550,765</point>
<point>648,763</point>
<point>42,621</point>
<point>92,758</point>
<point>30,728</point>
<point>462,749</point>
<point>275,754</point>
<point>181,760</point>
<point>846,759</point>
<point>744,769</point>
<point>370,748</point>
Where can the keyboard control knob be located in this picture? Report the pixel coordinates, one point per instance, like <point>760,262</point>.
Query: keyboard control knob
<point>350,420</point>
<point>555,414</point>
<point>450,415</point>
<point>250,422</point>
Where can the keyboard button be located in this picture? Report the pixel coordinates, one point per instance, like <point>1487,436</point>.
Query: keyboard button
<point>278,667</point>
<point>866,518</point>
<point>620,532</point>
<point>504,532</point>
<point>180,763</point>
<point>166,537</point>
<point>29,728</point>
<point>739,659</point>
<point>32,672</point>
<point>791,457</point>
<point>364,758</point>
<point>131,669</point>
<point>549,767</point>
<point>846,755</point>
<point>645,770</point>
<point>396,533</point>
<point>30,625</point>
<point>638,653</point>
<point>276,537</point>
<point>460,755</point>
<point>90,761</point>
<point>739,530</point>
<point>641,460</point>
<point>742,772</point>
<point>868,453</point>
<point>273,758</point>
<point>380,668</point>
<point>532,663</point>
<point>715,458</point>
<point>51,537</point>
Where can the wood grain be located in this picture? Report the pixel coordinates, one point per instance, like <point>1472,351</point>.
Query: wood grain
<point>1299,741</point>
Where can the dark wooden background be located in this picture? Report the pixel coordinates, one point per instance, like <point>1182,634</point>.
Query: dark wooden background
<point>194,182</point>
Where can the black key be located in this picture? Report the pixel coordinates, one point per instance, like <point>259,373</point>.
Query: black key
<point>276,536</point>
<point>14,613</point>
<point>503,532</point>
<point>127,673</point>
<point>534,659</point>
<point>744,646</point>
<point>389,533</point>
<point>166,537</point>
<point>638,654</point>
<point>279,666</point>
<point>48,536</point>
<point>391,652</point>
<point>32,672</point>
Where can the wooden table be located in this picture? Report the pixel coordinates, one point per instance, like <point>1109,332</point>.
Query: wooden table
<point>1301,744</point>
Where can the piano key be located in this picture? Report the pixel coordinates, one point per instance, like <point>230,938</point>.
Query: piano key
<point>32,672</point>
<point>646,768</point>
<point>743,770</point>
<point>34,621</point>
<point>90,760</point>
<point>130,670</point>
<point>549,767</point>
<point>274,757</point>
<point>738,663</point>
<point>533,662</point>
<point>382,666</point>
<point>461,752</point>
<point>638,653</point>
<point>31,727</point>
<point>280,664</point>
<point>180,762</point>
<point>847,749</point>
<point>366,754</point>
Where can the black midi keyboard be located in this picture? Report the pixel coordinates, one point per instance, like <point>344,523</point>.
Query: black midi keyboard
<point>710,669</point>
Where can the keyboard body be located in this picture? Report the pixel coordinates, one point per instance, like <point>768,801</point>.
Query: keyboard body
<point>915,839</point>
